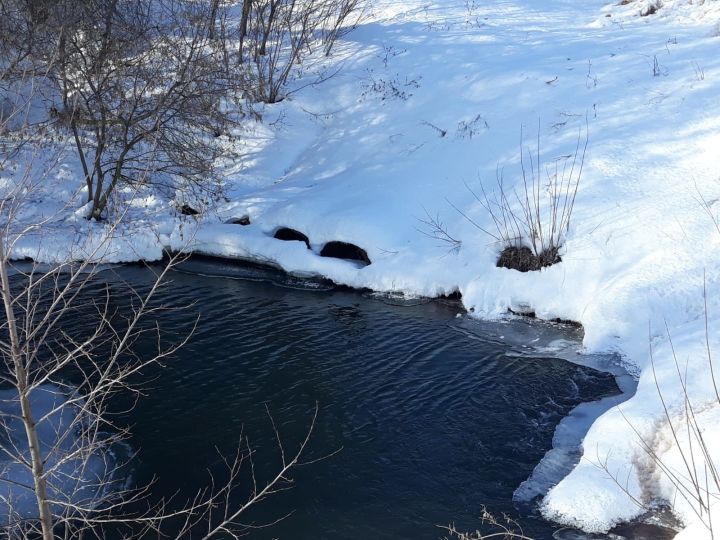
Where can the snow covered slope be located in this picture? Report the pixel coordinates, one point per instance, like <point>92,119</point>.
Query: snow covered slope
<point>433,95</point>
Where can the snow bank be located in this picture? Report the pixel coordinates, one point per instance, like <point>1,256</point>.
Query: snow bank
<point>432,96</point>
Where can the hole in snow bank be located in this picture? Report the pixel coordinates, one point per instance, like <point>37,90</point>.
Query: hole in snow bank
<point>658,524</point>
<point>454,295</point>
<point>344,250</point>
<point>187,210</point>
<point>527,311</point>
<point>652,9</point>
<point>243,220</point>
<point>288,234</point>
<point>524,260</point>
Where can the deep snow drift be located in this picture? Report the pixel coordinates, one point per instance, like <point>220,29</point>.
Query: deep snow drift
<point>431,96</point>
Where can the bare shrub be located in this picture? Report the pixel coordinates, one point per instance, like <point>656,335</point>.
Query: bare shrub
<point>433,227</point>
<point>275,37</point>
<point>504,528</point>
<point>531,221</point>
<point>342,17</point>
<point>147,99</point>
<point>697,480</point>
<point>136,83</point>
<point>389,88</point>
<point>147,87</point>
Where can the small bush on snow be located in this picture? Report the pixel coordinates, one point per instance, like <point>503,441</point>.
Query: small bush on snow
<point>530,221</point>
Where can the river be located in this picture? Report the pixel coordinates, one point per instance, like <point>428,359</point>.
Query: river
<point>425,415</point>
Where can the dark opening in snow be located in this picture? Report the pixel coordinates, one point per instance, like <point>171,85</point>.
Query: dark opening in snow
<point>344,250</point>
<point>286,233</point>
<point>244,220</point>
<point>187,210</point>
<point>650,10</point>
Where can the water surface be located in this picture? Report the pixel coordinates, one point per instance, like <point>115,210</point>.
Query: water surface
<point>424,415</point>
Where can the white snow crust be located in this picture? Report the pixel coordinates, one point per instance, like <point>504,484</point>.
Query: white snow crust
<point>432,95</point>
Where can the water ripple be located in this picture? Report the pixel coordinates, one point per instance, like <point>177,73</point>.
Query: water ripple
<point>436,415</point>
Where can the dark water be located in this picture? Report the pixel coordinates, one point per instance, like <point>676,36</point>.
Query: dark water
<point>423,420</point>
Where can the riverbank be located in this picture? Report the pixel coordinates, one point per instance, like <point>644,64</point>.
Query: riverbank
<point>431,97</point>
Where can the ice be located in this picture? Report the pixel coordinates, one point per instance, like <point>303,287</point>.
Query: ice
<point>82,481</point>
<point>566,449</point>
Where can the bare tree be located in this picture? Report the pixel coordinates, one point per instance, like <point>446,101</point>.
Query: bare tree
<point>138,84</point>
<point>146,87</point>
<point>59,474</point>
<point>153,86</point>
<point>60,477</point>
<point>276,36</point>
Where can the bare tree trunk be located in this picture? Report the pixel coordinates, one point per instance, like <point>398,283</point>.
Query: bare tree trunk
<point>21,377</point>
<point>268,28</point>
<point>97,206</point>
<point>109,80</point>
<point>212,19</point>
<point>83,162</point>
<point>247,6</point>
<point>38,467</point>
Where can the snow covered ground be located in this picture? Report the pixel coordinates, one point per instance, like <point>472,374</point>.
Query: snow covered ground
<point>432,95</point>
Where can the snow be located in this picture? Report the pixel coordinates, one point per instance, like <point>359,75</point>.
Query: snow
<point>362,157</point>
<point>76,477</point>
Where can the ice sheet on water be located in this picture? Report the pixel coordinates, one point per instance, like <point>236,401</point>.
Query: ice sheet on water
<point>74,479</point>
<point>249,271</point>
<point>566,450</point>
<point>399,299</point>
<point>537,339</point>
<point>557,341</point>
